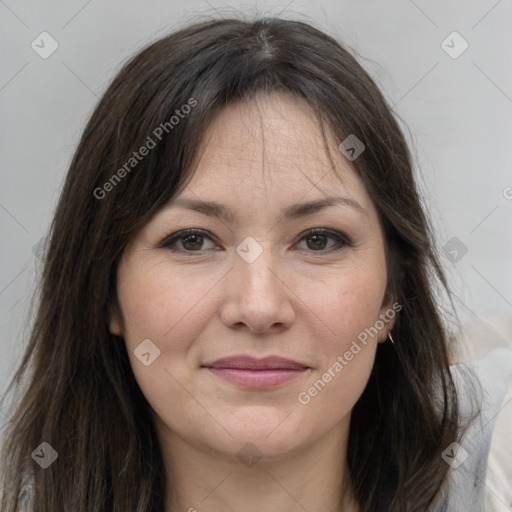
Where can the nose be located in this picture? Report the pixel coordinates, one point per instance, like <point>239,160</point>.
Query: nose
<point>258,296</point>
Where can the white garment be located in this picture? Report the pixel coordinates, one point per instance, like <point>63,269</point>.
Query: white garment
<point>467,486</point>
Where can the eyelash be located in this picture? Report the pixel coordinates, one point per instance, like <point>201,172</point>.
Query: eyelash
<point>340,239</point>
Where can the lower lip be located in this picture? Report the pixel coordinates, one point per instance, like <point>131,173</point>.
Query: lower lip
<point>257,379</point>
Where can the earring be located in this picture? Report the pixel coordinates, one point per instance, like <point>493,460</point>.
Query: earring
<point>390,338</point>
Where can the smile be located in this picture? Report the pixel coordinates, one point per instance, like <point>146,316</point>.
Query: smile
<point>252,373</point>
<point>256,379</point>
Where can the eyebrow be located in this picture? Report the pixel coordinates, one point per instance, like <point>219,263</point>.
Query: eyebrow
<point>295,211</point>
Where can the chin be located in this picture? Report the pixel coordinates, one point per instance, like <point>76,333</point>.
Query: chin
<point>269,433</point>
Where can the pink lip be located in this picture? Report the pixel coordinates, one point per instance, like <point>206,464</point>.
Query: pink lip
<point>255,373</point>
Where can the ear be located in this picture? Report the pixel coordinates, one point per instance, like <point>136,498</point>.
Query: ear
<point>114,320</point>
<point>387,317</point>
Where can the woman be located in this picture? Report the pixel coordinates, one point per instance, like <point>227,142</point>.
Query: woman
<point>238,306</point>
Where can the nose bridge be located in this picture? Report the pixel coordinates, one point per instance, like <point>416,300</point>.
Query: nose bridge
<point>256,266</point>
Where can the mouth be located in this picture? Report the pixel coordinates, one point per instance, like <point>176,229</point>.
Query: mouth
<point>249,372</point>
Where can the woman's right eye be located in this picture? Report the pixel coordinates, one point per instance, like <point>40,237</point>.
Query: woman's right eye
<point>188,240</point>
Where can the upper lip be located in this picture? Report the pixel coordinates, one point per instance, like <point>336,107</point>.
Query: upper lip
<point>252,363</point>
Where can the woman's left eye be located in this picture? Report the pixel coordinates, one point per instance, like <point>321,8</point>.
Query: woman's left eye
<point>192,240</point>
<point>319,238</point>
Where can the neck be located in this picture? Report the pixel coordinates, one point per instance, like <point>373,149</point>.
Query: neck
<point>314,478</point>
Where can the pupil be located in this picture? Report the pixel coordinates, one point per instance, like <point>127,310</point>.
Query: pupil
<point>198,241</point>
<point>319,239</point>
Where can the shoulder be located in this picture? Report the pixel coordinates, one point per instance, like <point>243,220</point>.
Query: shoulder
<point>481,388</point>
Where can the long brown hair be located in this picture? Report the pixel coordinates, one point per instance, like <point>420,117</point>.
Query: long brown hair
<point>81,396</point>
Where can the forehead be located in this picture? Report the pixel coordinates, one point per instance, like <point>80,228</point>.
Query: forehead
<point>273,144</point>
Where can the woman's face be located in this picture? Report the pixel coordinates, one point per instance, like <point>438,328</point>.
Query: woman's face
<point>255,284</point>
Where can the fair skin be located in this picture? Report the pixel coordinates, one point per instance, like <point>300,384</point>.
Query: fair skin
<point>300,299</point>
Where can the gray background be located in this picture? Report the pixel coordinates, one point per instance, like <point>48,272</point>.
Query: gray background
<point>456,113</point>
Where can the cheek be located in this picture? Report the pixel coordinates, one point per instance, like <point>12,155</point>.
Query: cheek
<point>345,354</point>
<point>347,304</point>
<point>162,305</point>
<point>336,388</point>
<point>170,309</point>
